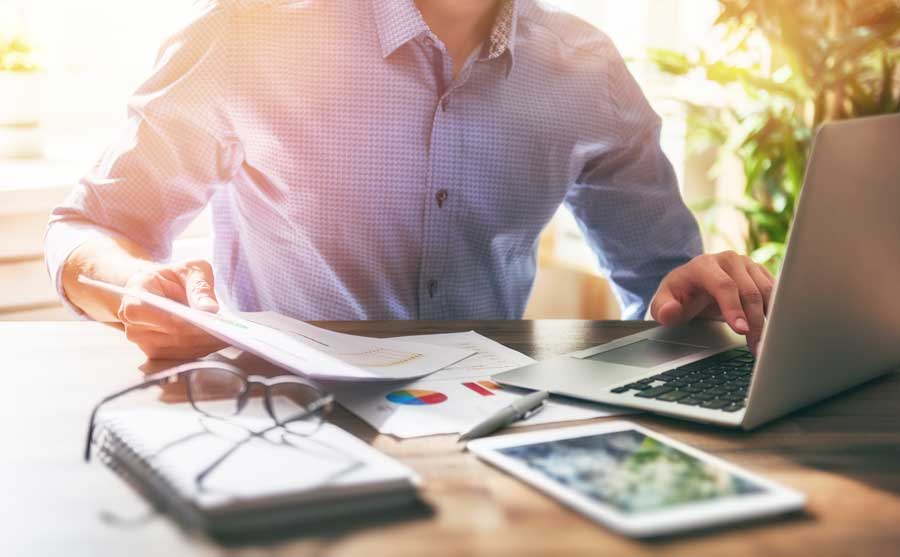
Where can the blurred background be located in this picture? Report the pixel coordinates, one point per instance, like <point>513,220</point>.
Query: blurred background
<point>741,86</point>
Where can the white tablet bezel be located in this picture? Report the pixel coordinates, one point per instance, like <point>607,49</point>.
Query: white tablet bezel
<point>776,499</point>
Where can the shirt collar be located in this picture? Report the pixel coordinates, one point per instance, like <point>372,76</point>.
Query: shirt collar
<point>502,39</point>
<point>503,32</point>
<point>399,21</point>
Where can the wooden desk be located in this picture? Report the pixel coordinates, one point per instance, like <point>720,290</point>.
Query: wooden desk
<point>844,453</point>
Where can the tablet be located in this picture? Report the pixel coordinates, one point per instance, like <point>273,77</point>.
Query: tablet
<point>636,481</point>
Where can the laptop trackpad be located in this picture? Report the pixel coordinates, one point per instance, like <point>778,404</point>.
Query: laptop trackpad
<point>569,376</point>
<point>646,353</point>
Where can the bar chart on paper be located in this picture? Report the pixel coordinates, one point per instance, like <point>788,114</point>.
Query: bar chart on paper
<point>483,388</point>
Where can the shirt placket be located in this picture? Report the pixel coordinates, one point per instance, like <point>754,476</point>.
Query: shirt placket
<point>443,185</point>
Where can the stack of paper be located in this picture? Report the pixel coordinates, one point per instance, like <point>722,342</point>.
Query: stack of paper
<point>450,400</point>
<point>407,387</point>
<point>455,398</point>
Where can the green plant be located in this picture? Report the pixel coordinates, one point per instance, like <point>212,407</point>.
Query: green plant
<point>782,68</point>
<point>17,55</point>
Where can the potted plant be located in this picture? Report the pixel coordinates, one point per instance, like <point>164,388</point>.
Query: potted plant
<point>782,68</point>
<point>21,90</point>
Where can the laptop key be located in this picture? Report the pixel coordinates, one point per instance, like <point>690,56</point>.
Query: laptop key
<point>618,390</point>
<point>714,404</point>
<point>654,392</point>
<point>673,396</point>
<point>690,401</point>
<point>730,355</point>
<point>638,386</point>
<point>733,407</point>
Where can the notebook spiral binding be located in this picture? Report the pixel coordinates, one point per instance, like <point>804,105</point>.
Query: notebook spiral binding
<point>124,457</point>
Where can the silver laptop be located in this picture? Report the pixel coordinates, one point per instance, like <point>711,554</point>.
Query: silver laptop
<point>834,320</point>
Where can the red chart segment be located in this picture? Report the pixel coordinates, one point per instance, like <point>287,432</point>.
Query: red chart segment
<point>484,388</point>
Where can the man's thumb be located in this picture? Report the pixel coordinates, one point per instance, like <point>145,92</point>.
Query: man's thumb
<point>199,289</point>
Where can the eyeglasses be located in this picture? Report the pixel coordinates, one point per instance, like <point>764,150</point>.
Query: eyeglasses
<point>221,390</point>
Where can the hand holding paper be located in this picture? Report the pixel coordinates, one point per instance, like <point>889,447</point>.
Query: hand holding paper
<point>159,334</point>
<point>310,351</point>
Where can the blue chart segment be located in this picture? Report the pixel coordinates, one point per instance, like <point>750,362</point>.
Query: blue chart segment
<point>416,397</point>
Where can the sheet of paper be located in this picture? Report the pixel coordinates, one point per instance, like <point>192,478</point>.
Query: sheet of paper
<point>307,350</point>
<point>455,398</point>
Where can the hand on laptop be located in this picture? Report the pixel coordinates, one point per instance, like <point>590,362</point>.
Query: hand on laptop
<point>159,334</point>
<point>725,286</point>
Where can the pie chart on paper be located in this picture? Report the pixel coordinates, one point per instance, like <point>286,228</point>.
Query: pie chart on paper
<point>416,397</point>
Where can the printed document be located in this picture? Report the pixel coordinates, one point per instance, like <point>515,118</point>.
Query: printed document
<point>307,350</point>
<point>457,397</point>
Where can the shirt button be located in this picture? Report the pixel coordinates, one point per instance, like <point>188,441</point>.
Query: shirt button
<point>432,288</point>
<point>441,196</point>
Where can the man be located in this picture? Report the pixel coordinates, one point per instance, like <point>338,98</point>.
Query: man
<point>385,159</point>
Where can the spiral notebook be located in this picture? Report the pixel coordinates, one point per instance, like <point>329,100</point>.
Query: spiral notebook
<point>267,483</point>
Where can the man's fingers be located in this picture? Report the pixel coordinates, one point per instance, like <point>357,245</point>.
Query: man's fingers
<point>764,281</point>
<point>681,297</point>
<point>664,308</point>
<point>198,286</point>
<point>723,288</point>
<point>134,312</point>
<point>162,335</point>
<point>157,345</point>
<point>752,301</point>
<point>166,324</point>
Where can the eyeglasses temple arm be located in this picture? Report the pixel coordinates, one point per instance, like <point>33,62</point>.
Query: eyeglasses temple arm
<point>314,407</point>
<point>151,380</point>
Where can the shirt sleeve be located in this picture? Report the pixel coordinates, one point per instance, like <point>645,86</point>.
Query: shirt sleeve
<point>176,147</point>
<point>626,200</point>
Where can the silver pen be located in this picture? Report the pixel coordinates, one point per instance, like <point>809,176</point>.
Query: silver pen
<point>521,409</point>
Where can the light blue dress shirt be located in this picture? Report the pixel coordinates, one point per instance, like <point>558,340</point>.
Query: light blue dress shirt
<point>352,176</point>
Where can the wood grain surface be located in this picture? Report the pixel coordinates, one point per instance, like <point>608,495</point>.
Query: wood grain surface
<point>843,453</point>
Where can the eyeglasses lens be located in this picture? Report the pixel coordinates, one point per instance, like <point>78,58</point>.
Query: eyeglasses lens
<point>216,391</point>
<point>293,406</point>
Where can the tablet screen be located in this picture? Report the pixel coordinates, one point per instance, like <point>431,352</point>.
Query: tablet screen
<point>630,471</point>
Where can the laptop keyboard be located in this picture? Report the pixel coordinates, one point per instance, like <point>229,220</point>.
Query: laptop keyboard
<point>719,382</point>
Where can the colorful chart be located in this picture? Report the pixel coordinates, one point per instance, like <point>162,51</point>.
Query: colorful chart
<point>416,397</point>
<point>484,388</point>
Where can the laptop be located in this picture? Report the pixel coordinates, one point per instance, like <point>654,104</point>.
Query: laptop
<point>834,320</point>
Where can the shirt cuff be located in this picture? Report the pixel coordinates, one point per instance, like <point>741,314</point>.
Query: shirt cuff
<point>61,239</point>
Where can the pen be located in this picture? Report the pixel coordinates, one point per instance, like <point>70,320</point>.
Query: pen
<point>518,410</point>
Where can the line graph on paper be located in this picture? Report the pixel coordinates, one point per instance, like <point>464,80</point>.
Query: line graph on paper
<point>480,364</point>
<point>373,357</point>
<point>377,357</point>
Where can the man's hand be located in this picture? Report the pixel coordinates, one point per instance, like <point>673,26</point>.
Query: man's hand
<point>724,286</point>
<point>159,334</point>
